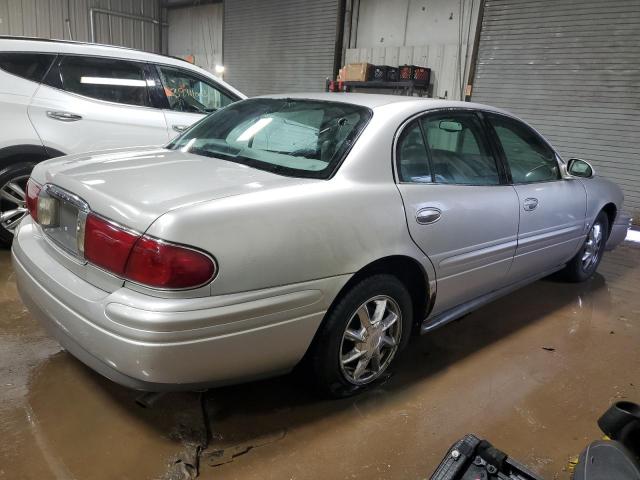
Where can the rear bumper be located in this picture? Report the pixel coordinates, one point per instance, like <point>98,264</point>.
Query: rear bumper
<point>619,230</point>
<point>157,344</point>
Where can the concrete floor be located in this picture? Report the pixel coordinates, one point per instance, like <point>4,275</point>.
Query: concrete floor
<point>487,373</point>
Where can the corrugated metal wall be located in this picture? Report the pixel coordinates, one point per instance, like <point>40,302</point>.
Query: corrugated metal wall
<point>69,20</point>
<point>197,31</point>
<point>572,69</point>
<point>279,45</point>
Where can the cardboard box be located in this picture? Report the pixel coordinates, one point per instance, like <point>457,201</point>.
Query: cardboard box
<point>356,72</point>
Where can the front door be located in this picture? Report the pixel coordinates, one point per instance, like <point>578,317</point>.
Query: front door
<point>460,211</point>
<point>96,103</point>
<point>552,209</point>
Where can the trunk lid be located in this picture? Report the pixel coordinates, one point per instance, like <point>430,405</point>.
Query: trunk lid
<point>135,187</point>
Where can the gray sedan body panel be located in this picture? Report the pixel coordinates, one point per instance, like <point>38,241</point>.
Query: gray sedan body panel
<point>322,229</point>
<point>551,233</point>
<point>473,242</point>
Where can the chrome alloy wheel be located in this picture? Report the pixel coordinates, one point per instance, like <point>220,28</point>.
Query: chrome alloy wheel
<point>592,248</point>
<point>13,203</point>
<point>370,340</point>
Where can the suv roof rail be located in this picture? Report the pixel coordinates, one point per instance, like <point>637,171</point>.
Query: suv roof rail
<point>77,42</point>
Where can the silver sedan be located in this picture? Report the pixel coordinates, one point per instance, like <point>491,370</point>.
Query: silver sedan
<point>319,230</point>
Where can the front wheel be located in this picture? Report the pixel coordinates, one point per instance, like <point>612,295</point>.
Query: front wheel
<point>586,261</point>
<point>361,336</point>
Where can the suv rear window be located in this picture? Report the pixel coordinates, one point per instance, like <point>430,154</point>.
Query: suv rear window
<point>31,66</point>
<point>119,81</point>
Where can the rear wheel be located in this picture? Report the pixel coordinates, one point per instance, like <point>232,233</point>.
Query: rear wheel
<point>13,201</point>
<point>586,261</point>
<point>361,336</point>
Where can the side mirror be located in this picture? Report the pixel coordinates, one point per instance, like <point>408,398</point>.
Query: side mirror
<point>579,168</point>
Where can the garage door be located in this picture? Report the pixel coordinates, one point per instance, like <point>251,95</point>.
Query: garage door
<point>274,46</point>
<point>572,69</point>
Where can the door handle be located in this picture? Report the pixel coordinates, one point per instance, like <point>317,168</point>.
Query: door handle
<point>64,116</point>
<point>530,204</point>
<point>428,215</point>
<point>180,128</point>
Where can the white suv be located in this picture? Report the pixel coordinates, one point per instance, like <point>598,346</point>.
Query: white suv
<point>60,97</point>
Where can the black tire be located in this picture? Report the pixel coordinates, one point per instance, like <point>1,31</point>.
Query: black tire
<point>578,269</point>
<point>16,173</point>
<point>326,354</point>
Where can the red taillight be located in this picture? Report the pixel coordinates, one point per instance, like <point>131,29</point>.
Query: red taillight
<point>143,259</point>
<point>163,265</point>
<point>33,190</point>
<point>107,245</point>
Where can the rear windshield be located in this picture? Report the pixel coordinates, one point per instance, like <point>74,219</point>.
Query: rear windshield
<point>302,138</point>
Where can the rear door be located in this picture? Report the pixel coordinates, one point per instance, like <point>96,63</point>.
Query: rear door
<point>460,210</point>
<point>96,103</point>
<point>189,97</point>
<point>552,209</point>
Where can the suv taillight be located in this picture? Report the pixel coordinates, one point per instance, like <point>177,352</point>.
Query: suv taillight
<point>33,190</point>
<point>143,259</point>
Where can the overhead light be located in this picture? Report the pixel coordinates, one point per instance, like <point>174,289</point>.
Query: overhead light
<point>220,69</point>
<point>120,82</point>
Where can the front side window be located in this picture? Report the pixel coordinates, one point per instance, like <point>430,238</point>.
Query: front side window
<point>118,81</point>
<point>31,66</point>
<point>529,158</point>
<point>413,162</point>
<point>458,151</point>
<point>188,93</point>
<point>295,137</point>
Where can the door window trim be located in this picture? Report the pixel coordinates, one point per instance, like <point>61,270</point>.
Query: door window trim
<point>502,171</point>
<point>498,145</point>
<point>150,70</point>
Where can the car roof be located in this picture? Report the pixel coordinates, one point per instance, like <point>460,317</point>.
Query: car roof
<point>69,47</point>
<point>373,101</point>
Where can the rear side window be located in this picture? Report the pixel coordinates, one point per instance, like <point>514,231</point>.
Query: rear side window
<point>31,66</point>
<point>413,161</point>
<point>118,81</point>
<point>458,151</point>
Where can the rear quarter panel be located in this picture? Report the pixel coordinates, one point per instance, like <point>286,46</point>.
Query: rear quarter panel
<point>15,95</point>
<point>294,234</point>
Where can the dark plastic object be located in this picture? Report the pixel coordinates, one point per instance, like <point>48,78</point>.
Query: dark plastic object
<point>380,73</point>
<point>458,459</point>
<point>621,422</point>
<point>474,459</point>
<point>393,74</point>
<point>384,73</point>
<point>604,460</point>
